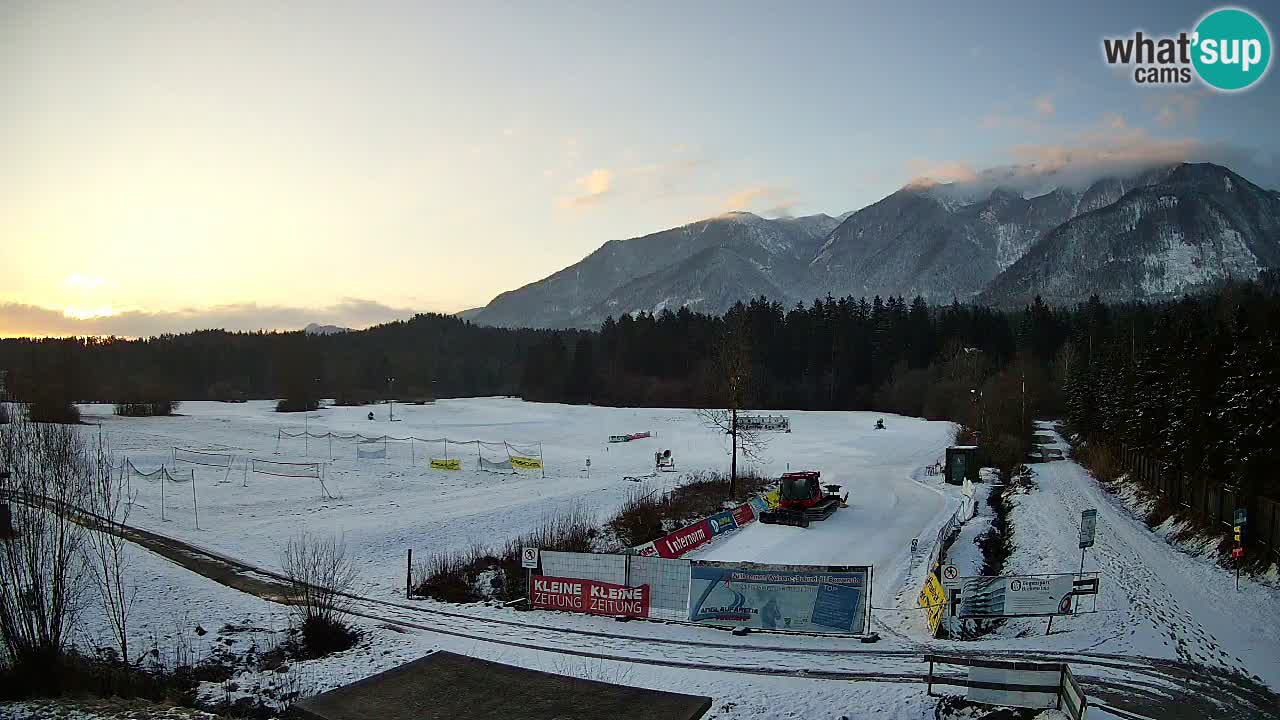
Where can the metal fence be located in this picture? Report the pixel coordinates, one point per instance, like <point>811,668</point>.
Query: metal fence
<point>1208,501</point>
<point>667,578</point>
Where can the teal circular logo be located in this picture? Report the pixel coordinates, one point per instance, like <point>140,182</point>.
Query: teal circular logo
<point>1232,49</point>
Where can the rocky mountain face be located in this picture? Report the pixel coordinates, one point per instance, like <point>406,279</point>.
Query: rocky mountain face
<point>700,265</point>
<point>1155,233</point>
<point>1196,226</point>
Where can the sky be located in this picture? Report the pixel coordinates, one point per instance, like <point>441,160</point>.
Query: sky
<point>166,166</point>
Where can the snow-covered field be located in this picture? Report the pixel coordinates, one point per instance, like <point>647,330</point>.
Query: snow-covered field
<point>385,507</point>
<point>1168,622</point>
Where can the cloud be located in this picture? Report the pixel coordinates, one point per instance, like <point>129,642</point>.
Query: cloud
<point>767,200</point>
<point>1110,147</point>
<point>1044,106</point>
<point>17,319</point>
<point>591,188</point>
<point>1178,109</point>
<point>925,173</point>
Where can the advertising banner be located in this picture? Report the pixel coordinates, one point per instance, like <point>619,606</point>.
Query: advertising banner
<point>992,596</point>
<point>590,596</point>
<point>800,598</point>
<point>450,464</point>
<point>683,540</point>
<point>771,499</point>
<point>759,505</point>
<point>721,522</point>
<point>647,550</point>
<point>743,514</point>
<point>934,599</point>
<point>525,463</point>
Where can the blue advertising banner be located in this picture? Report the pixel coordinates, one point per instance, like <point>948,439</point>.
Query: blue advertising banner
<point>722,522</point>
<point>801,598</point>
<point>758,504</point>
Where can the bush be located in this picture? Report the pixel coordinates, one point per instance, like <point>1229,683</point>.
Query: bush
<point>53,410</point>
<point>320,577</point>
<point>298,405</point>
<point>4,413</point>
<point>645,515</point>
<point>480,573</point>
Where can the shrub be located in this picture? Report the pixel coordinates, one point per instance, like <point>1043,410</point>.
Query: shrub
<point>298,405</point>
<point>481,573</point>
<point>320,577</point>
<point>4,413</point>
<point>53,410</point>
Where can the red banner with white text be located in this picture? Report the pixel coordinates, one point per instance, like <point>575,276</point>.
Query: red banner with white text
<point>590,596</point>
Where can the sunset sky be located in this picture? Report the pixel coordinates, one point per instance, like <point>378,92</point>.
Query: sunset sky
<point>166,166</point>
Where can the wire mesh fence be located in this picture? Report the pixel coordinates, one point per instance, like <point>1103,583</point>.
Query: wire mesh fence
<point>502,457</point>
<point>668,579</point>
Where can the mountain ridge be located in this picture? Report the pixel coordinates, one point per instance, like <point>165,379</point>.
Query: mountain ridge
<point>938,241</point>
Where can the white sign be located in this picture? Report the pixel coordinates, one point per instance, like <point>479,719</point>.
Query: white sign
<point>529,558</point>
<point>998,596</point>
<point>1088,527</point>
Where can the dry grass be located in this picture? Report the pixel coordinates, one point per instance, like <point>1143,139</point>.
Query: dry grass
<point>459,576</point>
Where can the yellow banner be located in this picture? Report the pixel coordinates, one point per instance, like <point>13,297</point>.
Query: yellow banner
<point>934,598</point>
<point>771,498</point>
<point>451,464</point>
<point>525,463</point>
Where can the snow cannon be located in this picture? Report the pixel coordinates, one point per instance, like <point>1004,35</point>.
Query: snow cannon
<point>803,498</point>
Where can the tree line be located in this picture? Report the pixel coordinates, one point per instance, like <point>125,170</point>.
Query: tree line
<point>1196,378</point>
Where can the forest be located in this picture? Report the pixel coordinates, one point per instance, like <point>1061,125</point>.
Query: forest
<point>1195,382</point>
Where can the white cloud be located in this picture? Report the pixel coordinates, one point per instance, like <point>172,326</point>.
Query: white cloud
<point>591,188</point>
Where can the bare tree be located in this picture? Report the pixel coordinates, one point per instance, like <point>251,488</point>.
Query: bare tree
<point>321,576</point>
<point>730,390</point>
<point>45,578</point>
<point>105,545</point>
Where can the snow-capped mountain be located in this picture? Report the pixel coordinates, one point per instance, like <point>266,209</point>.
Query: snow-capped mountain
<point>1196,226</point>
<point>706,265</point>
<point>1001,240</point>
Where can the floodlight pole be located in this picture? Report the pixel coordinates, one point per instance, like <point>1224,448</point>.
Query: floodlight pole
<point>391,402</point>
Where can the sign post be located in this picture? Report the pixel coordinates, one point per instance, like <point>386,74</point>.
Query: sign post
<point>1241,516</point>
<point>529,561</point>
<point>1088,531</point>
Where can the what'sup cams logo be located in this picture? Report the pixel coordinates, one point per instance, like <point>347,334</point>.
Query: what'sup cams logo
<point>1230,49</point>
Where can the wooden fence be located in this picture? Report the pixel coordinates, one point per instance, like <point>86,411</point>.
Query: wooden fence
<point>1207,501</point>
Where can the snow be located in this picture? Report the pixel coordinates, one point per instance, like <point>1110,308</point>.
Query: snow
<point>887,506</point>
<point>1156,601</point>
<point>384,508</point>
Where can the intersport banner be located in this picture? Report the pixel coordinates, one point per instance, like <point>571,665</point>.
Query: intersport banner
<point>590,596</point>
<point>743,514</point>
<point>683,540</point>
<point>801,598</point>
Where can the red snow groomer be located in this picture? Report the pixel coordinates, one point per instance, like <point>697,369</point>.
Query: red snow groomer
<point>802,497</point>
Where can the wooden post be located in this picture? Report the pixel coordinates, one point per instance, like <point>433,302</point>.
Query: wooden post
<point>195,506</point>
<point>1049,628</point>
<point>163,476</point>
<point>408,576</point>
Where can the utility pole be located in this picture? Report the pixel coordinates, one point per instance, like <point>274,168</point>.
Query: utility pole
<point>391,402</point>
